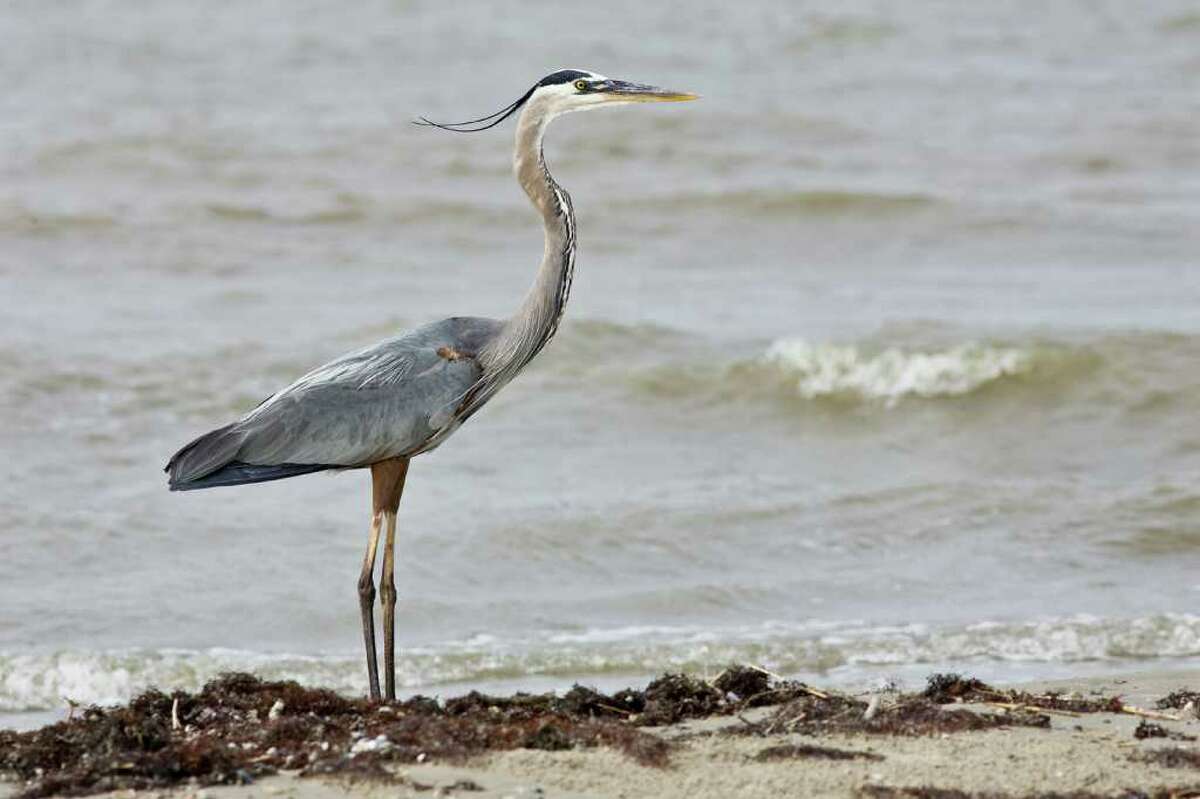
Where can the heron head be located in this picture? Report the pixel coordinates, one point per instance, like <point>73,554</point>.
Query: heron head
<point>570,90</point>
<point>578,90</point>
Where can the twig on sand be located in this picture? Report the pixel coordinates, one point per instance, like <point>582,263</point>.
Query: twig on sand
<point>808,689</point>
<point>1149,714</point>
<point>761,670</point>
<point>1031,708</point>
<point>175,725</point>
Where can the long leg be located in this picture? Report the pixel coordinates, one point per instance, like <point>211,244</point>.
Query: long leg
<point>387,480</point>
<point>388,598</point>
<point>366,603</point>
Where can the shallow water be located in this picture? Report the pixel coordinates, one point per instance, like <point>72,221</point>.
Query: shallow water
<point>880,359</point>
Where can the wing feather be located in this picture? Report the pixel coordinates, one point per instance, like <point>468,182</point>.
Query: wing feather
<point>379,402</point>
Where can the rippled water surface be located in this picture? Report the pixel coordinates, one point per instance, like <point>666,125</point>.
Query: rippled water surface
<point>880,359</point>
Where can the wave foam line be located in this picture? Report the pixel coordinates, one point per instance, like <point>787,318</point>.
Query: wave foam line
<point>31,682</point>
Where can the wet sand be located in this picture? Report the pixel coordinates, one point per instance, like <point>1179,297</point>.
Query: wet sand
<point>1088,754</point>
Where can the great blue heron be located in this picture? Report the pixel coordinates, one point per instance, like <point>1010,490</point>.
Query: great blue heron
<point>383,405</point>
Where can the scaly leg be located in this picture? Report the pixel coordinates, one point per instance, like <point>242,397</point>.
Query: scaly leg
<point>366,603</point>
<point>387,595</point>
<point>388,483</point>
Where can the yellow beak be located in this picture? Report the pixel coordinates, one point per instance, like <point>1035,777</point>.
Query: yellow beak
<point>641,93</point>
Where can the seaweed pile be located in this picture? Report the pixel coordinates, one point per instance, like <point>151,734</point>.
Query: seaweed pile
<point>238,728</point>
<point>1179,700</point>
<point>945,688</point>
<point>815,713</point>
<point>908,715</point>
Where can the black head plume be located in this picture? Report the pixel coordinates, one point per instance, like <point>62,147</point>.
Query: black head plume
<point>483,123</point>
<point>562,76</point>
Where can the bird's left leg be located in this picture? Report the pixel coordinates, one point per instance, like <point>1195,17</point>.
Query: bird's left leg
<point>366,604</point>
<point>388,484</point>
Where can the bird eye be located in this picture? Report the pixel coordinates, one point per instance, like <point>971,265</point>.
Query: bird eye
<point>581,85</point>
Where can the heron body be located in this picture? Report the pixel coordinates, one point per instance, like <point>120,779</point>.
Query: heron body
<point>382,405</point>
<point>392,399</point>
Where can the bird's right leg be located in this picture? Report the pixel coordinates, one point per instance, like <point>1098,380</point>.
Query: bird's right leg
<point>387,485</point>
<point>366,602</point>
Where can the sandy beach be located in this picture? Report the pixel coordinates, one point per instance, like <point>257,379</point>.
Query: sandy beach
<point>1076,754</point>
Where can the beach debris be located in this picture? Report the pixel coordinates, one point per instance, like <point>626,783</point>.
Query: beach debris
<point>909,715</point>
<point>583,701</point>
<point>1180,699</point>
<point>799,751</point>
<point>946,688</point>
<point>672,698</point>
<point>951,687</point>
<point>1147,730</point>
<point>753,686</point>
<point>314,731</point>
<point>1013,706</point>
<point>1148,714</point>
<point>740,683</point>
<point>239,727</point>
<point>675,697</point>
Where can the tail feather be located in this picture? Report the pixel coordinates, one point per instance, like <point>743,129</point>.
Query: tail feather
<point>205,455</point>
<point>211,461</point>
<point>237,473</point>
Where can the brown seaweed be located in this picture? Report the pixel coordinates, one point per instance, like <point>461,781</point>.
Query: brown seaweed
<point>911,715</point>
<point>238,728</point>
<point>1178,700</point>
<point>947,688</point>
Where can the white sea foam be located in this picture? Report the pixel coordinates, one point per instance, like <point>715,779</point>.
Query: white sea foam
<point>824,370</point>
<point>40,682</point>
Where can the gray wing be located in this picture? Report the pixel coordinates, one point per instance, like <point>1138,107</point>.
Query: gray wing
<point>384,401</point>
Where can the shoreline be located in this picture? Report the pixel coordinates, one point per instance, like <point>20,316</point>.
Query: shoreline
<point>1076,754</point>
<point>121,680</point>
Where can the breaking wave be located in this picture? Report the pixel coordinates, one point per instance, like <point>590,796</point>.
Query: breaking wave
<point>867,374</point>
<point>893,374</point>
<point>839,651</point>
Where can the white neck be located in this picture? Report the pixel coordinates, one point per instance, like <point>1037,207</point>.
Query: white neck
<point>536,321</point>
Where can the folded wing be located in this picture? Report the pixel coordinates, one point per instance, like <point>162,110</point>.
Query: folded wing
<point>384,401</point>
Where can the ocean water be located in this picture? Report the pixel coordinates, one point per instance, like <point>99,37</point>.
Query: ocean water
<point>880,360</point>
